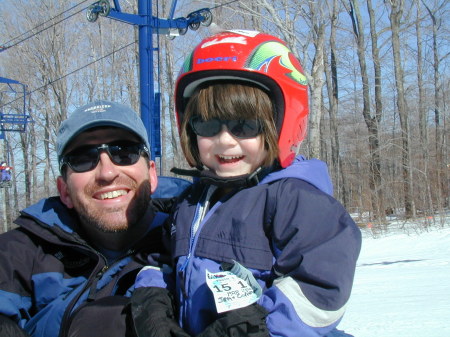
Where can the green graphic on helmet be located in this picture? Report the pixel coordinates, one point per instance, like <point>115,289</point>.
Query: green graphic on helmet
<point>269,52</point>
<point>187,64</point>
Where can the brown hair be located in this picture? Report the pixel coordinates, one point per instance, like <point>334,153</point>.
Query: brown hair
<point>226,100</point>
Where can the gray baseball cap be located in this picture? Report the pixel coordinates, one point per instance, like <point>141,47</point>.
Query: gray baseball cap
<point>99,113</point>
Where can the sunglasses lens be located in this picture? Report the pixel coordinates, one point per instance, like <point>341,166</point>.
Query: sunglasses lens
<point>124,154</point>
<point>208,128</point>
<point>83,159</point>
<point>245,128</point>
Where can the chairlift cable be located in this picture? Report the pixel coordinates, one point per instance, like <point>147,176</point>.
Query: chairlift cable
<point>44,29</point>
<point>68,74</point>
<point>221,5</point>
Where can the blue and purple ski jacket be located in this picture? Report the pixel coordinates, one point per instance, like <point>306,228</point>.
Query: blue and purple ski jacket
<point>299,242</point>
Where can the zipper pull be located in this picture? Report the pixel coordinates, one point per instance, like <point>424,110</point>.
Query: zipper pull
<point>93,287</point>
<point>181,271</point>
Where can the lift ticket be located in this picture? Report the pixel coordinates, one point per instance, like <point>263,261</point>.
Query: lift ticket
<point>230,292</point>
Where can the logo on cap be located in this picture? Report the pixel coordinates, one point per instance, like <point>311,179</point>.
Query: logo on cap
<point>97,108</point>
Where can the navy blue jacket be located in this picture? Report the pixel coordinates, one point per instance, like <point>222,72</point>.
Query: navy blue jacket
<point>53,283</point>
<point>299,242</point>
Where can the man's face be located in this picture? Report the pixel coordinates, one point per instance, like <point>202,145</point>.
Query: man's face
<point>109,197</point>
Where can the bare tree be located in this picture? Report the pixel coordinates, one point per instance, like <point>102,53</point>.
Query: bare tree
<point>333,98</point>
<point>372,119</point>
<point>169,131</point>
<point>317,23</point>
<point>438,120</point>
<point>423,133</point>
<point>395,16</point>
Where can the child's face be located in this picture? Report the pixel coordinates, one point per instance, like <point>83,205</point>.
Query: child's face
<point>229,156</point>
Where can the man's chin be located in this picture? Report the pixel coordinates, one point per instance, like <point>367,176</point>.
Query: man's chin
<point>113,224</point>
<point>107,223</point>
<point>114,228</point>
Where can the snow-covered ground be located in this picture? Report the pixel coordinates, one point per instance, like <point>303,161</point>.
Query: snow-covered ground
<point>402,284</point>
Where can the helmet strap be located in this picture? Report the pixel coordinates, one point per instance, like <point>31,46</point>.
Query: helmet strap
<point>210,178</point>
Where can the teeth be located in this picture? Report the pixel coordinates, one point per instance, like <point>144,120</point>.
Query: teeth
<point>229,157</point>
<point>113,194</point>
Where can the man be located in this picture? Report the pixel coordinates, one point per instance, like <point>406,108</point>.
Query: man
<point>70,266</point>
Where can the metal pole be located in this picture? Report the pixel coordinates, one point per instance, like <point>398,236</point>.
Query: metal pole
<point>146,68</point>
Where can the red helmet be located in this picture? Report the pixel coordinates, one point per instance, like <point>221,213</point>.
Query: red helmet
<point>258,58</point>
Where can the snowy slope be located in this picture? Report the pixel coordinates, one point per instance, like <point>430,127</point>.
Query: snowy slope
<point>402,286</point>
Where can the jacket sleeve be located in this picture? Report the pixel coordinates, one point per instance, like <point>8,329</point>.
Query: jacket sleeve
<point>157,272</point>
<point>316,245</point>
<point>16,262</point>
<point>152,303</point>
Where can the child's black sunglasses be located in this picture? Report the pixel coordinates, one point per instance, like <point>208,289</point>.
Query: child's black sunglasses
<point>241,128</point>
<point>86,158</point>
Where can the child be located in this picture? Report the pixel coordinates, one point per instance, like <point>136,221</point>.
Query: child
<point>259,226</point>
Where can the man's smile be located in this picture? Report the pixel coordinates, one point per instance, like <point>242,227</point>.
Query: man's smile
<point>112,194</point>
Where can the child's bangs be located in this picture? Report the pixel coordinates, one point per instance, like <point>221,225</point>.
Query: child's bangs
<point>228,101</point>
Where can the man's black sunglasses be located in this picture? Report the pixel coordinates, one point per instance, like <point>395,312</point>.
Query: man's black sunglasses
<point>86,158</point>
<point>240,128</point>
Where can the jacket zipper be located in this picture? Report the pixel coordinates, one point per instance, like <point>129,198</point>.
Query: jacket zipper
<point>93,278</point>
<point>200,212</point>
<point>91,286</point>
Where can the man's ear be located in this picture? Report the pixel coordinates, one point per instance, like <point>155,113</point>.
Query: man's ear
<point>64,195</point>
<point>153,176</point>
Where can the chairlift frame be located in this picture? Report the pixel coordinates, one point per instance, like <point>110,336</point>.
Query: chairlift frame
<point>149,25</point>
<point>9,121</point>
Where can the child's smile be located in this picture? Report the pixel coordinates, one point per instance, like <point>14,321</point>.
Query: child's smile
<point>228,156</point>
<point>229,159</point>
